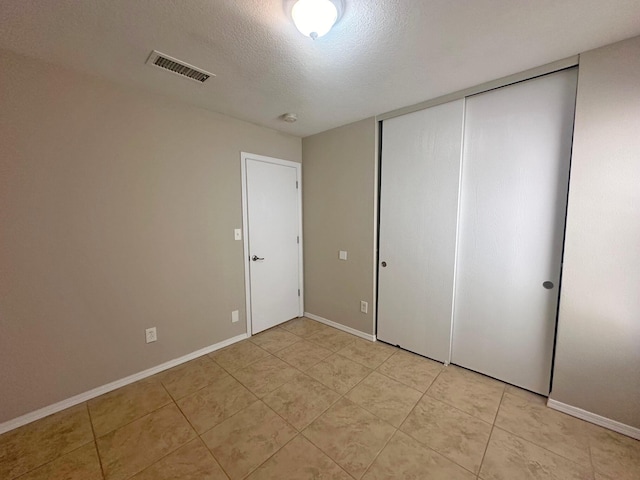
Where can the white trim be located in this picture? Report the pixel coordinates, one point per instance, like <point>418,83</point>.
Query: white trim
<point>96,392</point>
<point>244,156</point>
<point>339,326</point>
<point>376,203</point>
<point>622,428</point>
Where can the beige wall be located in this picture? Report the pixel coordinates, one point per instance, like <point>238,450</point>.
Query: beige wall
<point>598,348</point>
<point>117,210</point>
<point>339,203</point>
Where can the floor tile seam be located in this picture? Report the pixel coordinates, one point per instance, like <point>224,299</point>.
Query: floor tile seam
<point>177,399</point>
<point>359,363</point>
<point>375,457</point>
<point>455,408</point>
<point>493,426</point>
<point>429,447</point>
<point>310,367</point>
<point>168,453</point>
<point>329,456</point>
<point>280,349</point>
<point>135,419</point>
<point>214,457</point>
<point>270,456</point>
<point>229,417</point>
<point>399,381</point>
<point>59,457</point>
<point>245,366</point>
<point>544,448</point>
<point>95,441</point>
<point>377,369</point>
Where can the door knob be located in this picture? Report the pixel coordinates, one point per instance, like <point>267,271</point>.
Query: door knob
<point>548,285</point>
<point>384,264</point>
<point>255,258</point>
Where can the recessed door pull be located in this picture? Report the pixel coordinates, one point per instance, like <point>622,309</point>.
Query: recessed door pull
<point>548,285</point>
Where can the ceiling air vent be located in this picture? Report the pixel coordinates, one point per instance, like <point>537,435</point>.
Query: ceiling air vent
<point>178,67</point>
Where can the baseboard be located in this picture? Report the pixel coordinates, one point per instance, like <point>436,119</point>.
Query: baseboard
<point>594,418</point>
<point>96,392</point>
<point>339,326</point>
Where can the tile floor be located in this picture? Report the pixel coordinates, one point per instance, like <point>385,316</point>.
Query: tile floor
<point>305,401</point>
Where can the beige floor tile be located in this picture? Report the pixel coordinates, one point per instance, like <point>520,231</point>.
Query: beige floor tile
<point>339,373</point>
<point>412,370</point>
<point>521,392</point>
<point>303,355</point>
<point>81,464</point>
<point>30,446</point>
<point>274,339</point>
<point>304,327</point>
<point>350,435</point>
<point>243,442</point>
<point>239,355</point>
<point>265,376</point>
<point>384,397</point>
<point>191,376</point>
<point>511,458</point>
<point>614,455</point>
<point>468,391</point>
<point>299,460</point>
<point>404,458</point>
<point>301,400</point>
<point>529,417</point>
<point>124,405</point>
<point>190,462</point>
<point>216,402</point>
<point>458,436</point>
<point>332,339</point>
<point>369,354</point>
<point>132,448</point>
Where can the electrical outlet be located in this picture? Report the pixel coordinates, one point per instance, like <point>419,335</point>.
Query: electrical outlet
<point>364,306</point>
<point>237,234</point>
<point>151,334</point>
<point>235,316</point>
<point>342,255</point>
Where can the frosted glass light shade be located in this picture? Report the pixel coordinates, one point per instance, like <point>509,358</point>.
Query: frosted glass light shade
<point>314,18</point>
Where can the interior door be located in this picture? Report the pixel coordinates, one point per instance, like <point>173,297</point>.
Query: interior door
<point>273,240</point>
<point>517,151</point>
<point>420,171</point>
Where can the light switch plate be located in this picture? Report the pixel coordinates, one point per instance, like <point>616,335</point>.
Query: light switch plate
<point>342,255</point>
<point>237,234</point>
<point>235,316</point>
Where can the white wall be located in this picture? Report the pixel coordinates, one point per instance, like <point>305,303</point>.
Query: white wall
<point>598,346</point>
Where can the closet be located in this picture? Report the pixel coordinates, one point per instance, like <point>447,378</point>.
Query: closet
<point>472,209</point>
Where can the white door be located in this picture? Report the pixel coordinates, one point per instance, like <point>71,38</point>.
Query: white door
<point>517,151</point>
<point>420,171</point>
<point>272,240</point>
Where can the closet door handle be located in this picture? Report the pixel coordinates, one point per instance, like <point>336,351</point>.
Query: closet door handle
<point>548,285</point>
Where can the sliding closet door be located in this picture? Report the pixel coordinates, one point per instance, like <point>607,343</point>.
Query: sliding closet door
<point>418,208</point>
<point>517,150</point>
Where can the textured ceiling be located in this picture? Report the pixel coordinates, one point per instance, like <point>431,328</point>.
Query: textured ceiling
<point>382,55</point>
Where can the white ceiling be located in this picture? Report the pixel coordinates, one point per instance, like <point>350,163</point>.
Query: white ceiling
<point>382,55</point>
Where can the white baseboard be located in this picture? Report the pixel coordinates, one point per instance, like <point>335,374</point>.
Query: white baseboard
<point>96,392</point>
<point>594,418</point>
<point>339,326</point>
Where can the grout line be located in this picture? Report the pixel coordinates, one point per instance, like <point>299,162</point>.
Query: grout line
<point>95,441</point>
<point>493,425</point>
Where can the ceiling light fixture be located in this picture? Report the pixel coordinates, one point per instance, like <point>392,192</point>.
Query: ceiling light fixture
<point>314,18</point>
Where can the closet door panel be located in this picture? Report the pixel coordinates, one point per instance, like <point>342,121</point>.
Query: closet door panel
<point>517,151</point>
<point>418,210</point>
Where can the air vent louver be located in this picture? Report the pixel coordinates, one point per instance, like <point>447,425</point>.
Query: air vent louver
<point>178,67</point>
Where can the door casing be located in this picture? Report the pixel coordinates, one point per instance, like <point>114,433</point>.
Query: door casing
<point>244,156</point>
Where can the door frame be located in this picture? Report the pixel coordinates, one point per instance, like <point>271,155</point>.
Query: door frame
<point>244,156</point>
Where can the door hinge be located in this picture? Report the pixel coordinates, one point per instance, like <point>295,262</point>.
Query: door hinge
<point>298,292</point>
<point>298,239</point>
<point>296,184</point>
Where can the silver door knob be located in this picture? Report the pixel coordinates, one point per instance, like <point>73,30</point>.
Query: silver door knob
<point>548,285</point>
<point>255,258</point>
<point>384,264</point>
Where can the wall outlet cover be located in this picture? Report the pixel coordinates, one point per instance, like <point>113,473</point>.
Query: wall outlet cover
<point>342,255</point>
<point>151,334</point>
<point>364,306</point>
<point>235,316</point>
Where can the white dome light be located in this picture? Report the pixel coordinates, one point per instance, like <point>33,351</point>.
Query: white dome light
<point>314,18</point>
